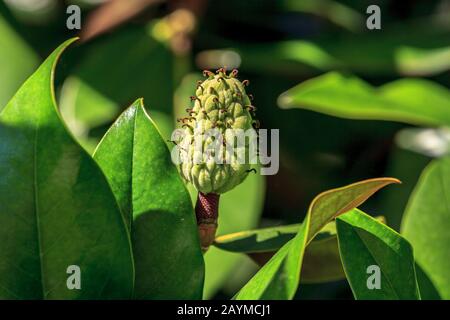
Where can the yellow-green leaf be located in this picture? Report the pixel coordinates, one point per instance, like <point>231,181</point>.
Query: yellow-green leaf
<point>415,101</point>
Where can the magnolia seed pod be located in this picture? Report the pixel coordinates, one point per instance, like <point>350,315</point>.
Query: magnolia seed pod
<point>221,106</point>
<point>212,157</point>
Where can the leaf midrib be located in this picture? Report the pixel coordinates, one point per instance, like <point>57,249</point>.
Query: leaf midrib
<point>131,205</point>
<point>36,209</point>
<point>378,263</point>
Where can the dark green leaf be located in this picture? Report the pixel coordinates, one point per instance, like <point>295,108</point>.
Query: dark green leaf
<point>57,208</point>
<point>364,242</point>
<point>426,224</point>
<point>137,162</point>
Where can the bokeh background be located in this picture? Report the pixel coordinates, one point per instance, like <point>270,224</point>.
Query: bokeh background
<point>157,49</point>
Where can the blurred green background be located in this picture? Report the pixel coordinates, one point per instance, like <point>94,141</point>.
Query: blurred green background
<point>157,49</point>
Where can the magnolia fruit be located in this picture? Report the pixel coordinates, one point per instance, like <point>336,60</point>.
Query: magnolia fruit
<point>214,149</point>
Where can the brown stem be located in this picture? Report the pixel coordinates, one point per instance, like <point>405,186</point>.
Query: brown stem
<point>207,211</point>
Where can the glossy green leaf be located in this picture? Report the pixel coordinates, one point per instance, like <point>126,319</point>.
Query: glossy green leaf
<point>364,242</point>
<point>279,278</point>
<point>426,224</point>
<point>17,61</point>
<point>56,207</point>
<point>414,101</point>
<point>137,162</point>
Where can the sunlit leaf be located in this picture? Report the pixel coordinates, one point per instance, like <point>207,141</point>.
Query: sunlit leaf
<point>366,247</point>
<point>413,101</point>
<point>57,209</point>
<point>426,224</point>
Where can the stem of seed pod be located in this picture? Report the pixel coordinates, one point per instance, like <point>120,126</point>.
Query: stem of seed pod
<point>207,212</point>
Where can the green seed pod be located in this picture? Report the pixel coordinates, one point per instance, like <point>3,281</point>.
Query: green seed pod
<point>214,160</point>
